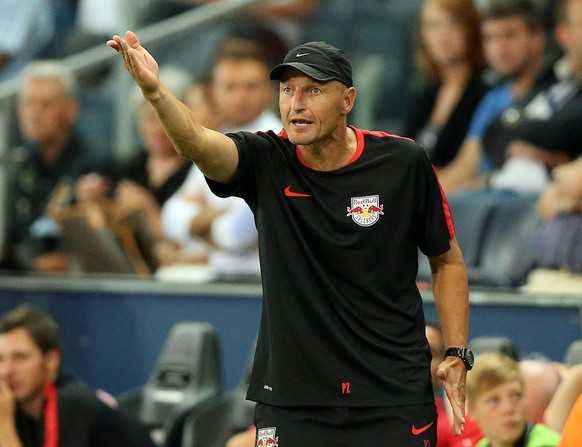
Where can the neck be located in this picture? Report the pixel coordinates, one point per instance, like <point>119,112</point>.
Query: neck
<point>456,73</point>
<point>51,149</point>
<point>34,407</point>
<point>522,84</point>
<point>333,153</point>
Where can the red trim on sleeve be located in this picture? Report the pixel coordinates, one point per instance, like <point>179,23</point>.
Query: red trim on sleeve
<point>379,133</point>
<point>51,417</point>
<point>446,208</point>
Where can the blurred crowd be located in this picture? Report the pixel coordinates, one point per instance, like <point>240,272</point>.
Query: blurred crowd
<point>492,89</point>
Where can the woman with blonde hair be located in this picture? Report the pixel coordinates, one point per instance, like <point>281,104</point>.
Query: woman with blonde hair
<point>450,58</point>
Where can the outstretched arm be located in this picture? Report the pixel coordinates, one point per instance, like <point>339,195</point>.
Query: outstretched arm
<point>214,154</point>
<point>451,295</point>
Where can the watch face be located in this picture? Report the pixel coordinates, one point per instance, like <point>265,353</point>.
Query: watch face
<point>470,358</point>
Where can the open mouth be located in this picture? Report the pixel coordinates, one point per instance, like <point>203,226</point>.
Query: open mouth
<point>301,122</point>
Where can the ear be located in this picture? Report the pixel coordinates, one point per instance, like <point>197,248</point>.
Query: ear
<point>53,363</point>
<point>561,34</point>
<point>349,99</point>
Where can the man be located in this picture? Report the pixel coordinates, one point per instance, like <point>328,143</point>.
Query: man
<point>222,232</point>
<point>44,168</point>
<point>342,357</point>
<point>547,132</point>
<point>541,378</point>
<point>513,42</point>
<point>39,406</point>
<point>241,87</point>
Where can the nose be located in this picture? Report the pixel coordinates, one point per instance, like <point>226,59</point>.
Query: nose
<point>509,406</point>
<point>298,101</point>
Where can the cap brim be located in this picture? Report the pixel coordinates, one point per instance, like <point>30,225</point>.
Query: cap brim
<point>310,71</point>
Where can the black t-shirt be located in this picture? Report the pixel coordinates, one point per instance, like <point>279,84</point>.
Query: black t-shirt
<point>447,140</point>
<point>32,182</point>
<point>84,421</point>
<point>342,320</point>
<point>135,169</point>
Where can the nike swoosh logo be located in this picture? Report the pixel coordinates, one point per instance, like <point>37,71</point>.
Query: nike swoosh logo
<point>418,431</point>
<point>301,54</point>
<point>287,191</point>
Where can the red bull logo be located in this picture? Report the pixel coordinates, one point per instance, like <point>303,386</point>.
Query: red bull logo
<point>266,437</point>
<point>365,211</point>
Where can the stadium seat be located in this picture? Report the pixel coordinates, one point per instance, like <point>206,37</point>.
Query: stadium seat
<point>216,420</point>
<point>471,215</point>
<point>573,354</point>
<point>507,251</point>
<point>187,374</point>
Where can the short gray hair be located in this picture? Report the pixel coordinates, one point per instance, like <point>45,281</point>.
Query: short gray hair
<point>51,69</point>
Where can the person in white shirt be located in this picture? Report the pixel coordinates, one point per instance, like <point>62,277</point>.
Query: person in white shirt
<point>219,231</point>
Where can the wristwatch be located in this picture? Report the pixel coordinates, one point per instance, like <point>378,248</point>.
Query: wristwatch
<point>465,354</point>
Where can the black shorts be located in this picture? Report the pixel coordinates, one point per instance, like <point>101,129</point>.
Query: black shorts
<point>398,426</point>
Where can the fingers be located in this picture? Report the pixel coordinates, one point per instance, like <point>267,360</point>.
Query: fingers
<point>115,42</point>
<point>458,426</point>
<point>132,39</point>
<point>122,47</point>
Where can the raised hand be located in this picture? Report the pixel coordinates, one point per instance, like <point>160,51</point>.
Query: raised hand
<point>138,62</point>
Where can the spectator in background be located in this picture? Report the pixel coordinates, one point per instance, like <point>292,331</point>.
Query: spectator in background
<point>204,228</point>
<point>564,413</point>
<point>541,379</point>
<point>513,42</point>
<point>43,169</point>
<point>241,88</point>
<point>41,406</point>
<point>142,184</point>
<point>572,432</point>
<point>495,397</point>
<point>548,129</point>
<point>26,29</point>
<point>450,57</point>
<point>532,137</point>
<point>200,100</point>
<point>558,244</point>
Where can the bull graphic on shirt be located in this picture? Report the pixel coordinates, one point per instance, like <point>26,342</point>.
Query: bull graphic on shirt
<point>365,211</point>
<point>266,437</point>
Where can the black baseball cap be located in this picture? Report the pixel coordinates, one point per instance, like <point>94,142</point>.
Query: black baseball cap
<point>318,60</point>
